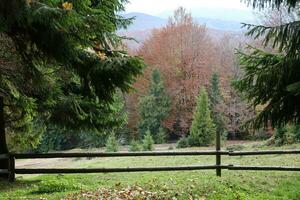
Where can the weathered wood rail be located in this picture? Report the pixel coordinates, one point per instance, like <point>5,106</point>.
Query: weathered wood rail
<point>12,170</point>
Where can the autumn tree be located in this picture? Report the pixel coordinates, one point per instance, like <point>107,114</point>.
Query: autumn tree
<point>69,64</point>
<point>183,52</point>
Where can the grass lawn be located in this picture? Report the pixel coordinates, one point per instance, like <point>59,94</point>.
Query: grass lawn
<point>164,185</point>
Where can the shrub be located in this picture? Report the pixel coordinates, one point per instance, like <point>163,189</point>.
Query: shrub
<point>112,143</point>
<point>135,146</point>
<point>59,185</point>
<point>296,132</point>
<point>183,143</point>
<point>161,136</point>
<point>148,142</point>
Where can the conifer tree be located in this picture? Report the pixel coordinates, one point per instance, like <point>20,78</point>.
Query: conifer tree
<point>148,141</point>
<point>214,90</point>
<point>70,64</point>
<point>202,132</point>
<point>154,107</point>
<point>216,103</point>
<point>112,143</point>
<point>272,79</point>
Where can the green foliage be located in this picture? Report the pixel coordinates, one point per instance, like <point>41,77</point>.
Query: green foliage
<point>202,132</point>
<point>217,103</point>
<point>295,129</point>
<point>154,107</point>
<point>288,134</point>
<point>214,90</point>
<point>56,185</point>
<point>183,143</point>
<point>161,136</point>
<point>135,145</point>
<point>112,144</point>
<point>69,63</point>
<point>272,79</point>
<point>148,142</point>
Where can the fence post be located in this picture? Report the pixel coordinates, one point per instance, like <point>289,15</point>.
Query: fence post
<point>218,154</point>
<point>11,168</point>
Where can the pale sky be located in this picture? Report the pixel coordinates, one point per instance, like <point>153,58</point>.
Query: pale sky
<point>155,7</point>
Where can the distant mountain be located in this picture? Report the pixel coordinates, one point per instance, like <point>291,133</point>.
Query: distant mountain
<point>145,22</point>
<point>224,14</point>
<point>143,25</point>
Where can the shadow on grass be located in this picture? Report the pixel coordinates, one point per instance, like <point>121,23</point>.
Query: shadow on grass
<point>19,183</point>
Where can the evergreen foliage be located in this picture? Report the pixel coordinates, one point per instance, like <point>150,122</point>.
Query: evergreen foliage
<point>161,136</point>
<point>214,90</point>
<point>148,142</point>
<point>183,143</point>
<point>135,146</point>
<point>154,107</point>
<point>112,143</point>
<point>202,132</point>
<point>217,103</point>
<point>69,63</point>
<point>273,79</point>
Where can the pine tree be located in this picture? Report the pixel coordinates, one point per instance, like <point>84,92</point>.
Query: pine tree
<point>148,141</point>
<point>161,136</point>
<point>135,145</point>
<point>217,104</point>
<point>154,107</point>
<point>202,132</point>
<point>273,79</point>
<point>214,90</point>
<point>70,64</point>
<point>112,143</point>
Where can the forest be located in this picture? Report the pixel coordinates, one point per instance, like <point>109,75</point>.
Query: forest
<point>71,81</point>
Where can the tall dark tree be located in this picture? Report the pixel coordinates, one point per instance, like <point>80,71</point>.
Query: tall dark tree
<point>154,107</point>
<point>217,103</point>
<point>214,90</point>
<point>273,79</point>
<point>70,64</point>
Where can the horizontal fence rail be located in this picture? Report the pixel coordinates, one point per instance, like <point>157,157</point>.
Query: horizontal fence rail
<point>114,170</point>
<point>263,168</point>
<point>11,171</point>
<point>129,154</point>
<point>253,153</point>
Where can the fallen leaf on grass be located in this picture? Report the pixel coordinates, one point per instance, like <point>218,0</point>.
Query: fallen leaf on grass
<point>129,193</point>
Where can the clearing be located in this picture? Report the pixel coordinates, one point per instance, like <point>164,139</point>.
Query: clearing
<point>160,185</point>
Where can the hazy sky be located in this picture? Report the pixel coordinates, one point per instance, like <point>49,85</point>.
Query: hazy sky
<point>158,6</point>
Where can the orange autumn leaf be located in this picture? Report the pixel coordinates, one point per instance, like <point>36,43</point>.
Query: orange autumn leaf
<point>102,56</point>
<point>67,6</point>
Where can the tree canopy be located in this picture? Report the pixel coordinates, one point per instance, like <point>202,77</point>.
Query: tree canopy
<point>70,61</point>
<point>154,107</point>
<point>273,79</point>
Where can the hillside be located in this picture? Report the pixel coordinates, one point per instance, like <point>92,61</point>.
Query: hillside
<point>143,25</point>
<point>144,22</point>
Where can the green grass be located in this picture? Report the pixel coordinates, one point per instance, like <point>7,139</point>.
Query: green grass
<point>183,185</point>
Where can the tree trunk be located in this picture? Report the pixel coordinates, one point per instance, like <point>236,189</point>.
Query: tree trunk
<point>3,145</point>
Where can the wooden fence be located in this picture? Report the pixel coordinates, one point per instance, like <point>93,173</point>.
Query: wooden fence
<point>12,170</point>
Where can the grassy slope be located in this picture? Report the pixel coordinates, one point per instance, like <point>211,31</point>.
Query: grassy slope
<point>199,184</point>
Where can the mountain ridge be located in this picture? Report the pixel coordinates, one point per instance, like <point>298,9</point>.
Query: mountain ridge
<point>145,21</point>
